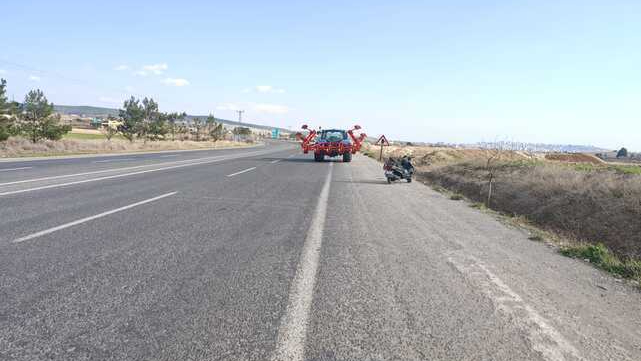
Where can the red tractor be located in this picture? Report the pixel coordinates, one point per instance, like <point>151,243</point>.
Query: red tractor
<point>331,143</point>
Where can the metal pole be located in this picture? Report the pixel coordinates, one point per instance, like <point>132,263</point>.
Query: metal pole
<point>240,115</point>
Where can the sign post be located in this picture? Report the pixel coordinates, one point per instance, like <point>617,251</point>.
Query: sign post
<point>382,141</point>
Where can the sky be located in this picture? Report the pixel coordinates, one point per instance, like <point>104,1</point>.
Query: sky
<point>459,71</point>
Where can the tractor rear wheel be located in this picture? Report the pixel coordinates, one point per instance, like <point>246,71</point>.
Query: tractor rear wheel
<point>347,157</point>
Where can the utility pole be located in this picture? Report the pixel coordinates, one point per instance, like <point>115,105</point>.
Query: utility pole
<point>240,115</point>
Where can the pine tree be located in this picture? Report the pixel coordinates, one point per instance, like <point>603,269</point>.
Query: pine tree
<point>38,120</point>
<point>132,117</point>
<point>6,113</point>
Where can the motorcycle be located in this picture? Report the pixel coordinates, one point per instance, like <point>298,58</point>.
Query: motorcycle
<point>394,173</point>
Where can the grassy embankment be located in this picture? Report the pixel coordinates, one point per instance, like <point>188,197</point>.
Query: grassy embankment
<point>85,142</point>
<point>591,209</point>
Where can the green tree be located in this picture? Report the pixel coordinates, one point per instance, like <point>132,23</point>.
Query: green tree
<point>6,112</point>
<point>172,119</point>
<point>241,132</point>
<point>154,123</point>
<point>38,120</point>
<point>197,127</point>
<point>215,130</point>
<point>622,153</point>
<point>131,116</point>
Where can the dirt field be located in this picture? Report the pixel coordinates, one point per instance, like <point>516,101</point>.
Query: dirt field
<point>574,158</point>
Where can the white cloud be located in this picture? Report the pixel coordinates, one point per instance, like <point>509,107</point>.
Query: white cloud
<point>108,100</point>
<point>268,89</point>
<point>141,73</point>
<point>129,88</point>
<point>2,71</point>
<point>270,108</point>
<point>122,67</point>
<point>175,81</point>
<point>34,78</point>
<point>155,68</point>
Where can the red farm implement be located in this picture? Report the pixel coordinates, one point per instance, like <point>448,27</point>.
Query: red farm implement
<point>331,143</point>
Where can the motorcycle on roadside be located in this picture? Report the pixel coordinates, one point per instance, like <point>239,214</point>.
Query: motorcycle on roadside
<point>398,170</point>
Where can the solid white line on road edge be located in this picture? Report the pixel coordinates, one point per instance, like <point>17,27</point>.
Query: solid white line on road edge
<point>112,160</point>
<point>10,169</point>
<point>128,168</point>
<point>221,158</point>
<point>241,172</point>
<point>543,337</point>
<point>291,156</point>
<point>169,155</point>
<point>87,219</point>
<point>293,326</point>
<point>275,161</point>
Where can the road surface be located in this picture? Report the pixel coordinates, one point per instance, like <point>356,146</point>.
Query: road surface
<point>263,254</point>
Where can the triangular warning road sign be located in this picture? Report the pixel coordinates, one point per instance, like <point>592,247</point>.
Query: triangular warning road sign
<point>382,141</point>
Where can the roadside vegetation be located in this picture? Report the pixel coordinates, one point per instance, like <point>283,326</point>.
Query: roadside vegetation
<point>593,207</point>
<point>31,128</point>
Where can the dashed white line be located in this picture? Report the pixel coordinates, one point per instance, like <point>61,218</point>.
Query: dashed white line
<point>293,326</point>
<point>10,169</point>
<point>197,160</point>
<point>169,155</point>
<point>113,160</point>
<point>275,161</point>
<point>241,172</point>
<point>87,219</point>
<point>218,159</point>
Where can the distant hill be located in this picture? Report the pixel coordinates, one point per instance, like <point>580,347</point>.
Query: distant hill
<point>86,111</point>
<point>99,112</point>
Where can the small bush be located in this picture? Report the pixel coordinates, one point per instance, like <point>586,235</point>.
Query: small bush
<point>536,238</point>
<point>627,169</point>
<point>456,197</point>
<point>601,256</point>
<point>478,206</point>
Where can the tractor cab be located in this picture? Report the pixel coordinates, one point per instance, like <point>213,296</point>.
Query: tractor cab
<point>332,136</point>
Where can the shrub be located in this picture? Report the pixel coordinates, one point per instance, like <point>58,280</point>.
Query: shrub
<point>602,257</point>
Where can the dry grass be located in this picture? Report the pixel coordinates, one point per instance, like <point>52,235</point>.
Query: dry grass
<point>572,197</point>
<point>597,206</point>
<point>20,147</point>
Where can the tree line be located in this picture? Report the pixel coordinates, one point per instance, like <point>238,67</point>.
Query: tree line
<point>138,119</point>
<point>141,119</point>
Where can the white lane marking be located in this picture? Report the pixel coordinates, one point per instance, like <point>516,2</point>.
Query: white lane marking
<point>112,160</point>
<point>10,169</point>
<point>121,169</point>
<point>87,219</point>
<point>120,175</point>
<point>241,172</point>
<point>169,155</point>
<point>543,337</point>
<point>291,156</point>
<point>275,161</point>
<point>293,326</point>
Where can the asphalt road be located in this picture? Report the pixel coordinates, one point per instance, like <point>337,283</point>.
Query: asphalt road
<point>263,254</point>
